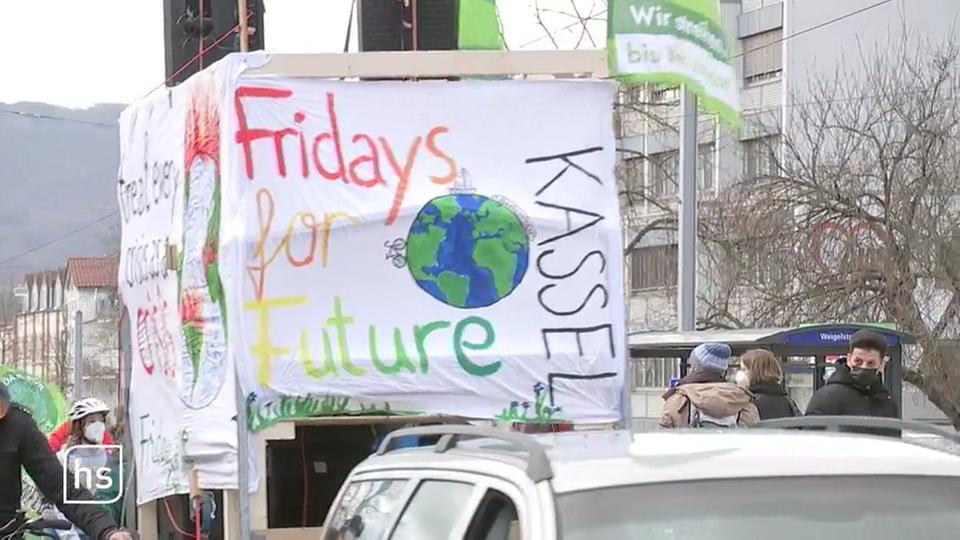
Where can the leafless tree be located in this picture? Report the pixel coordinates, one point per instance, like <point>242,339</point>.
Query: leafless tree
<point>61,365</point>
<point>858,219</point>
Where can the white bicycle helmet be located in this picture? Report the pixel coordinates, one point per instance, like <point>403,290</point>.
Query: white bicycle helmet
<point>85,407</point>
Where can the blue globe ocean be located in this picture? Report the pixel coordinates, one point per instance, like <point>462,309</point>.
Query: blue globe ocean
<point>467,250</point>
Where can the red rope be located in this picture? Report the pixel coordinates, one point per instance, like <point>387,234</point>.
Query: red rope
<point>176,526</point>
<point>196,510</point>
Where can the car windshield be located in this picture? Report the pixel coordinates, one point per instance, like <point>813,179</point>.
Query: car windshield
<point>802,508</point>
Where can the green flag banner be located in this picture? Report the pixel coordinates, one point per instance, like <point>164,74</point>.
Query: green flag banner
<point>674,42</point>
<point>44,400</point>
<point>477,26</point>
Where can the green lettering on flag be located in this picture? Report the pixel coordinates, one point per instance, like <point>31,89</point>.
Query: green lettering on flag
<point>478,25</point>
<point>675,42</point>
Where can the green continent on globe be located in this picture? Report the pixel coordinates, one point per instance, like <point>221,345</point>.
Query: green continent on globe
<point>467,250</point>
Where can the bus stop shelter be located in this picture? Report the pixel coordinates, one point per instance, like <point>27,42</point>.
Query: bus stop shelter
<point>806,352</point>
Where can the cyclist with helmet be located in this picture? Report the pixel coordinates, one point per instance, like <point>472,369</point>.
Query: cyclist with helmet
<point>88,426</point>
<point>23,445</point>
<point>91,408</point>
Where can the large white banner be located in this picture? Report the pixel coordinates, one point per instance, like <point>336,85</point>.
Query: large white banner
<point>447,248</point>
<point>182,390</point>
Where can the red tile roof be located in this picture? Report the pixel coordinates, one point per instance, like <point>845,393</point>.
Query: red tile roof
<point>86,272</point>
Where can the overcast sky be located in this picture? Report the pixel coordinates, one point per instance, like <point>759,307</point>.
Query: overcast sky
<point>77,53</point>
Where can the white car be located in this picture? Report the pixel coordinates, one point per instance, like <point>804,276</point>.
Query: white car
<point>488,484</point>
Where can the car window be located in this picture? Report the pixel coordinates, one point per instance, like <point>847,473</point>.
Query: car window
<point>434,510</point>
<point>786,508</point>
<point>495,519</point>
<point>366,510</point>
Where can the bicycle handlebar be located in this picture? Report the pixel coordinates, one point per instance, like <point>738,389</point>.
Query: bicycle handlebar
<point>41,524</point>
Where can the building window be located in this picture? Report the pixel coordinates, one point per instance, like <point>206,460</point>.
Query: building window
<point>653,267</point>
<point>654,372</point>
<point>756,264</point>
<point>44,297</point>
<point>633,178</point>
<point>665,171</point>
<point>752,5</point>
<point>666,95</point>
<point>663,174</point>
<point>633,181</point>
<point>760,158</point>
<point>634,95</point>
<point>763,56</point>
<point>706,167</point>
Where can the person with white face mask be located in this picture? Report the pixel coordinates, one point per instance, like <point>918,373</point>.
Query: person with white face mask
<point>88,426</point>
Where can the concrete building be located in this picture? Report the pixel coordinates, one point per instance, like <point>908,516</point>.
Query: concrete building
<point>781,47</point>
<point>35,341</point>
<point>91,290</point>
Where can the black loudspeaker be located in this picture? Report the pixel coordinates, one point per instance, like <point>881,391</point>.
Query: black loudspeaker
<point>437,27</point>
<point>184,26</point>
<point>380,25</point>
<point>387,25</point>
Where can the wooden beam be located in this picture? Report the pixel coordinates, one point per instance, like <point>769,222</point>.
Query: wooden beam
<point>244,34</point>
<point>358,420</point>
<point>403,64</point>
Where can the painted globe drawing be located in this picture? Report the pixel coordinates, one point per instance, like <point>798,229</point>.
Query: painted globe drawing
<point>467,251</point>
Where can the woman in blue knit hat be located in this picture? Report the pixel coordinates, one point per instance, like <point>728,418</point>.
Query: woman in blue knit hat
<point>704,398</point>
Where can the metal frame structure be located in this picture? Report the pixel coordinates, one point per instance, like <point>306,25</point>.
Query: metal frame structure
<point>842,423</point>
<point>783,342</point>
<point>428,64</point>
<point>538,465</point>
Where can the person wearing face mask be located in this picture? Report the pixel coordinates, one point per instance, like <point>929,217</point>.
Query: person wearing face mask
<point>704,398</point>
<point>88,426</point>
<point>22,445</point>
<point>760,372</point>
<point>88,422</point>
<point>856,388</point>
<point>64,431</point>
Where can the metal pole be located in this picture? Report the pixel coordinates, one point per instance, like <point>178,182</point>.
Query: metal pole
<point>77,354</point>
<point>414,25</point>
<point>243,461</point>
<point>244,33</point>
<point>687,248</point>
<point>128,512</point>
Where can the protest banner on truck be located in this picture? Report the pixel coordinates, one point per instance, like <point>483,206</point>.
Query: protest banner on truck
<point>357,247</point>
<point>423,248</point>
<point>182,391</point>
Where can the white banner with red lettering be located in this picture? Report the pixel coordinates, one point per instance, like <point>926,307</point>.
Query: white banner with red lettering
<point>182,389</point>
<point>449,248</point>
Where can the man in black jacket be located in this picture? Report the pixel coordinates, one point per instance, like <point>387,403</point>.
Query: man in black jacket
<point>22,444</point>
<point>855,388</point>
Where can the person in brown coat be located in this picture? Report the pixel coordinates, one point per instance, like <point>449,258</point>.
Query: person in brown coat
<point>704,398</point>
